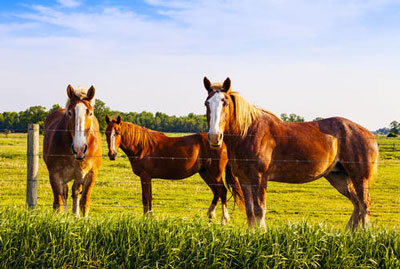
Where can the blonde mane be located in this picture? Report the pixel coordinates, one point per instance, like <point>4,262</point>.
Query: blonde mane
<point>137,136</point>
<point>246,113</point>
<point>81,93</point>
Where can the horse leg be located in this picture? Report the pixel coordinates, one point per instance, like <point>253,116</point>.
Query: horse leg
<point>222,193</point>
<point>76,190</point>
<point>58,189</point>
<point>145,181</point>
<point>212,185</point>
<point>342,183</point>
<point>248,200</point>
<point>260,203</point>
<point>362,190</point>
<point>65,197</point>
<point>88,184</point>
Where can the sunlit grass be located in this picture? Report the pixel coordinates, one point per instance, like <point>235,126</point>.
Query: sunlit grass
<point>118,191</point>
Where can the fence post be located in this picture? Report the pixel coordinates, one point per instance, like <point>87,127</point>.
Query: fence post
<point>33,165</point>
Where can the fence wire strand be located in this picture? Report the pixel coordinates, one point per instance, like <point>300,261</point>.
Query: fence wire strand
<point>393,147</point>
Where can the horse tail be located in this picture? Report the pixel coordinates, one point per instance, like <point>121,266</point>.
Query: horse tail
<point>234,187</point>
<point>374,170</point>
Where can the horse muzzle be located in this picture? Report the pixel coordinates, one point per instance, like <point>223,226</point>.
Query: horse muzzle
<point>79,152</point>
<point>215,140</point>
<point>112,155</point>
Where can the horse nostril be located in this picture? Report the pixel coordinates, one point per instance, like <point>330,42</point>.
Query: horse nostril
<point>86,147</point>
<point>72,148</point>
<point>219,136</point>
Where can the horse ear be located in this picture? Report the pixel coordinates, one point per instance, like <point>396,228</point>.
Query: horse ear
<point>70,92</point>
<point>90,93</point>
<point>108,119</point>
<point>207,84</point>
<point>119,119</point>
<point>227,85</point>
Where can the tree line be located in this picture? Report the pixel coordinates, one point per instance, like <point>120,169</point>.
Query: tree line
<point>192,123</point>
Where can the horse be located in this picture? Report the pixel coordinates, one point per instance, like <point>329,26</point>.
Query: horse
<point>152,154</point>
<point>72,150</point>
<point>261,148</point>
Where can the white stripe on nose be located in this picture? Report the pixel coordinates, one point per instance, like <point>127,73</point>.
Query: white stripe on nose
<point>215,104</point>
<point>79,138</point>
<point>112,141</point>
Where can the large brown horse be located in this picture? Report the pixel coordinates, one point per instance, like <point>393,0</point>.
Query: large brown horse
<point>152,154</point>
<point>72,150</point>
<point>263,148</point>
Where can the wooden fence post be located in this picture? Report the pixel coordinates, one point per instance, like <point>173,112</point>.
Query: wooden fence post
<point>33,166</point>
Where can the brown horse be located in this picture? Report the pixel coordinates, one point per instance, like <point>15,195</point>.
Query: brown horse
<point>263,148</point>
<point>152,154</point>
<point>72,150</point>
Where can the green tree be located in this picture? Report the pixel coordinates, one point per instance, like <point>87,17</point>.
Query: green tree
<point>100,111</point>
<point>318,118</point>
<point>54,108</point>
<point>292,117</point>
<point>394,127</point>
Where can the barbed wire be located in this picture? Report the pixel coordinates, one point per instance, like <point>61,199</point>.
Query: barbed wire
<point>184,182</point>
<point>208,159</point>
<point>174,182</point>
<point>146,130</point>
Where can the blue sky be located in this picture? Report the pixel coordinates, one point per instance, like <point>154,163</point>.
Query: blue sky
<point>313,58</point>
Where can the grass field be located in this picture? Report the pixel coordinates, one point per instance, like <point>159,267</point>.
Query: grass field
<point>45,239</point>
<point>118,191</point>
<point>305,222</point>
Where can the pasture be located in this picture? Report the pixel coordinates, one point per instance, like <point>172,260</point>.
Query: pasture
<point>118,191</point>
<point>305,222</point>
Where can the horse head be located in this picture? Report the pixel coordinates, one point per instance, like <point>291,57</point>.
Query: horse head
<point>218,111</point>
<point>80,115</point>
<point>113,135</point>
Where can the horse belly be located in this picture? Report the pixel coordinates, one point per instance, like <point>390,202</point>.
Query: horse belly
<point>305,164</point>
<point>175,169</point>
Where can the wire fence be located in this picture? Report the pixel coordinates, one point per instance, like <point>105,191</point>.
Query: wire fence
<point>393,190</point>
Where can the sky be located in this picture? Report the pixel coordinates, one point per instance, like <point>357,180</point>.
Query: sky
<point>312,58</point>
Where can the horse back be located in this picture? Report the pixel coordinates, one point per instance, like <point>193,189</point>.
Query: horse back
<point>357,146</point>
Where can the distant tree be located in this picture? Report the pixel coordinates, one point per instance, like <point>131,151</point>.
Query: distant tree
<point>54,108</point>
<point>100,111</point>
<point>318,118</point>
<point>1,121</point>
<point>292,117</point>
<point>384,131</point>
<point>394,127</point>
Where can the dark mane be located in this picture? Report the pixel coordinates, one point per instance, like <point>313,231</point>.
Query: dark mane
<point>137,136</point>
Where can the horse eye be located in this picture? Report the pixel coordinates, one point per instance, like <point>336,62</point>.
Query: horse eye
<point>69,113</point>
<point>117,132</point>
<point>206,103</point>
<point>225,102</point>
<point>91,114</point>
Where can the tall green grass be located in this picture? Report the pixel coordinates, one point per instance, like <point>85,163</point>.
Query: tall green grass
<point>45,239</point>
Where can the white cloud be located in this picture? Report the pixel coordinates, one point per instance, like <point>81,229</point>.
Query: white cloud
<point>310,58</point>
<point>69,3</point>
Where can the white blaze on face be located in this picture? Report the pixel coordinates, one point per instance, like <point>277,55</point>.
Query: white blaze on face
<point>215,105</point>
<point>80,115</point>
<point>112,141</point>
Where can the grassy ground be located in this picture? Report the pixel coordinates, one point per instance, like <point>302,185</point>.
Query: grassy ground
<point>44,239</point>
<point>118,191</point>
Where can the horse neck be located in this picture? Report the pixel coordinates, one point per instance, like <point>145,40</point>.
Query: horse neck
<point>234,131</point>
<point>136,139</point>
